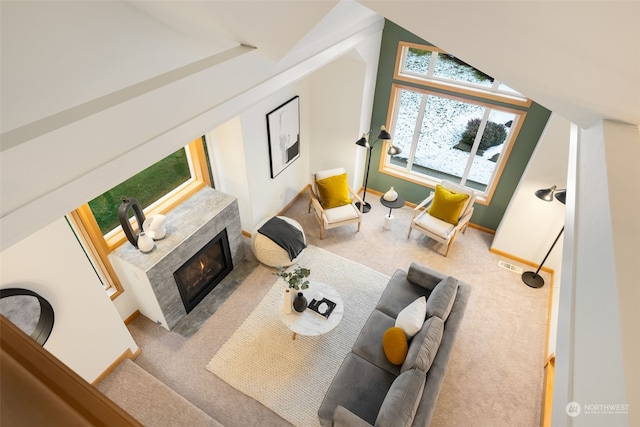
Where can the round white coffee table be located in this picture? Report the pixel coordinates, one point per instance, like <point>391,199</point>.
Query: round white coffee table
<point>309,323</point>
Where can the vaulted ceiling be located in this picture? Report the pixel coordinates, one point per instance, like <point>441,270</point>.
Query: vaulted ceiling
<point>580,59</point>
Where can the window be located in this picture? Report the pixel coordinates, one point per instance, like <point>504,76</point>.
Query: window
<point>158,189</point>
<point>428,65</point>
<point>444,132</point>
<point>148,186</point>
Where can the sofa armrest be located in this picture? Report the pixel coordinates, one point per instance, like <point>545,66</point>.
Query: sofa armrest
<point>342,417</point>
<point>424,276</point>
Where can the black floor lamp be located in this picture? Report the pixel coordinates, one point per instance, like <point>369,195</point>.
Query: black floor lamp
<point>529,277</point>
<point>363,142</point>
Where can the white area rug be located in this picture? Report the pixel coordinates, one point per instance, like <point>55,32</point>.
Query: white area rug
<point>290,377</point>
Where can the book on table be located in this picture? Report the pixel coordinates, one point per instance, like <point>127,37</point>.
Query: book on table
<point>322,307</point>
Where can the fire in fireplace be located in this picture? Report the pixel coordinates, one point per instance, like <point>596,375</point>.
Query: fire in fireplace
<point>204,270</point>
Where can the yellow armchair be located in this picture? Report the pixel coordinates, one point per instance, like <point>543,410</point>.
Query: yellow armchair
<point>331,200</point>
<point>443,218</point>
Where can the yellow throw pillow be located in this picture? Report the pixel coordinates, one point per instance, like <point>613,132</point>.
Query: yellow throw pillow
<point>334,191</point>
<point>395,346</point>
<point>447,205</point>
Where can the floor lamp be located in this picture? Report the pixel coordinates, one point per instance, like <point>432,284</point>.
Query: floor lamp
<point>363,142</point>
<point>529,277</point>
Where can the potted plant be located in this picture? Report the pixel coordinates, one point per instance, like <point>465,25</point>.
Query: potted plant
<point>296,281</point>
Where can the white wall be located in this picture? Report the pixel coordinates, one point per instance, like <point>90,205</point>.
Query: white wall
<point>269,195</point>
<point>88,334</point>
<point>350,84</point>
<point>226,149</point>
<point>529,219</point>
<point>589,356</point>
<point>530,225</point>
<point>622,148</point>
<point>338,88</point>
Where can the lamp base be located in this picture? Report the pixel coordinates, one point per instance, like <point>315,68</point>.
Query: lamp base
<point>532,279</point>
<point>366,208</point>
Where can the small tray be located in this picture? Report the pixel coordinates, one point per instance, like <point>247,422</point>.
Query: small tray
<point>314,304</point>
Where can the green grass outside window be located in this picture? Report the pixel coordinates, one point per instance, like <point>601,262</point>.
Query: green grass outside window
<point>148,186</point>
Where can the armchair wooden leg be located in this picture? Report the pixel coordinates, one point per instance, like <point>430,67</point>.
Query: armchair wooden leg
<point>410,230</point>
<point>453,239</point>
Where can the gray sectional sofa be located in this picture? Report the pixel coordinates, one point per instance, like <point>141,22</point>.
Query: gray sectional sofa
<point>368,389</point>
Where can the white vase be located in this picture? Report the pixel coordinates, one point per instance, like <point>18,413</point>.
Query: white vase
<point>390,195</point>
<point>288,298</point>
<point>145,242</point>
<point>154,226</point>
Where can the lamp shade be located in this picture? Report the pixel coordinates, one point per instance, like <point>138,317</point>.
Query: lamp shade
<point>383,133</point>
<point>546,194</point>
<point>362,141</point>
<point>393,150</point>
<point>561,196</point>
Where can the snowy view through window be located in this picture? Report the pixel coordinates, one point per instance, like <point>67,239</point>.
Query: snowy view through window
<point>432,141</point>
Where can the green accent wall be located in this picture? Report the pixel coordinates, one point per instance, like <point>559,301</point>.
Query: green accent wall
<point>532,128</point>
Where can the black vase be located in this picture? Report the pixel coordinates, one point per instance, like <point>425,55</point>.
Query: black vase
<point>299,303</point>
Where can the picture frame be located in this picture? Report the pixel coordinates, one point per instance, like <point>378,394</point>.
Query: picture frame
<point>283,130</point>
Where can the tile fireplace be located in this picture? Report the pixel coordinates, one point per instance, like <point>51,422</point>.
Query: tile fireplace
<point>203,243</point>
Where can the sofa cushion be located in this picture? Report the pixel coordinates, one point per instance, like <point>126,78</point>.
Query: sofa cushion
<point>368,345</point>
<point>411,318</point>
<point>424,346</point>
<point>442,297</point>
<point>424,276</point>
<point>398,294</point>
<point>359,386</point>
<point>342,417</point>
<point>395,345</point>
<point>401,402</point>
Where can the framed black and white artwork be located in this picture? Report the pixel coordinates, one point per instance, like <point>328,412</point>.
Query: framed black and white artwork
<point>283,129</point>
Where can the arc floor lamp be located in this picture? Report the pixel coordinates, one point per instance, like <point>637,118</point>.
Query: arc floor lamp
<point>364,142</point>
<point>530,278</point>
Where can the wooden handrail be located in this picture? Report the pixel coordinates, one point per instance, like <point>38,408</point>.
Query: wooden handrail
<point>547,391</point>
<point>38,389</point>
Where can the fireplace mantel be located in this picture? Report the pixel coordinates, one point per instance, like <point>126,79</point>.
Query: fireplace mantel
<point>190,226</point>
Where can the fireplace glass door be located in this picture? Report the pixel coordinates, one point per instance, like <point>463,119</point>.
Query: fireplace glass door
<point>204,270</point>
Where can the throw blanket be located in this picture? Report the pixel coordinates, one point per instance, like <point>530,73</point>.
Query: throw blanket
<point>285,235</point>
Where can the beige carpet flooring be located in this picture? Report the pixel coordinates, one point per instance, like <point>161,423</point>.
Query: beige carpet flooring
<point>496,370</point>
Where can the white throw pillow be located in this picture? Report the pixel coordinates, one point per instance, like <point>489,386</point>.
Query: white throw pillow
<point>411,318</point>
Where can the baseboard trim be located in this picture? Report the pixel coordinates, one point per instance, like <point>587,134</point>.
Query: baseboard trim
<point>287,206</point>
<point>518,259</point>
<point>481,228</point>
<point>132,317</point>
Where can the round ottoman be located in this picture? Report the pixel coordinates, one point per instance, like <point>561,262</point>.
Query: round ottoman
<point>270,253</point>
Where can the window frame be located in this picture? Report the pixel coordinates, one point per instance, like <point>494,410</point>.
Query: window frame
<point>448,89</point>
<point>99,246</point>
<point>451,85</point>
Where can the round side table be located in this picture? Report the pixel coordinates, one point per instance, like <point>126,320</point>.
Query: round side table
<point>311,324</point>
<point>394,204</point>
